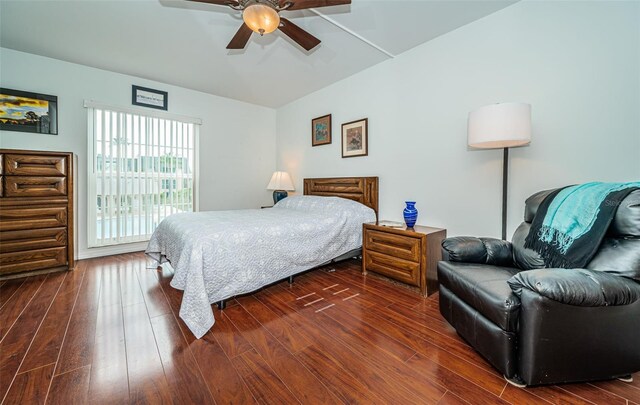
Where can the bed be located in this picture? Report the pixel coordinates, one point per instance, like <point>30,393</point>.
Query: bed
<point>217,255</point>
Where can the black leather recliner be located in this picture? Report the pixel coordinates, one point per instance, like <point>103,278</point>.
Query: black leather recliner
<point>548,326</point>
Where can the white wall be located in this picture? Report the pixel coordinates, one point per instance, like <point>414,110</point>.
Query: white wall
<point>237,140</point>
<point>577,63</point>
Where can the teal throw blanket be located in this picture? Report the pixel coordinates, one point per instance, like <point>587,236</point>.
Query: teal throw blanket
<point>571,222</point>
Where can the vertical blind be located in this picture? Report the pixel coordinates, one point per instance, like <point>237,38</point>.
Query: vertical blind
<point>141,170</point>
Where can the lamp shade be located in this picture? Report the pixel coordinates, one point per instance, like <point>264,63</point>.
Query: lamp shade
<point>281,181</point>
<point>503,125</point>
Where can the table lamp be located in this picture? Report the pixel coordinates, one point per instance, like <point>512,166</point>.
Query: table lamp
<point>495,126</point>
<point>280,183</point>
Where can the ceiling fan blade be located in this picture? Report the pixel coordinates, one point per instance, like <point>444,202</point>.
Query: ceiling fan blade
<point>218,2</point>
<point>302,4</point>
<point>239,41</point>
<point>300,36</point>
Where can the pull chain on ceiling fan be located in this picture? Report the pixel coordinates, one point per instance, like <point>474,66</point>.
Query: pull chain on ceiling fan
<point>263,17</point>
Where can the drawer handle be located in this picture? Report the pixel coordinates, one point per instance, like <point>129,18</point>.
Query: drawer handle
<point>17,165</point>
<point>55,237</point>
<point>45,216</point>
<point>32,186</point>
<point>390,243</point>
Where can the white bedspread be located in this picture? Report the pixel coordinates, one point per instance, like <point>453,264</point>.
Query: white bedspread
<point>219,254</point>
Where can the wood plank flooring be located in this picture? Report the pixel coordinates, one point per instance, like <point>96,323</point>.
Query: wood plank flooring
<point>109,332</point>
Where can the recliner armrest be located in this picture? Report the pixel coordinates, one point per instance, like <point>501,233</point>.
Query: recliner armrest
<point>470,249</point>
<point>580,287</point>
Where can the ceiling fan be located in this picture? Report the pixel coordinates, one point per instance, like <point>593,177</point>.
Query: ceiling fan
<point>262,16</point>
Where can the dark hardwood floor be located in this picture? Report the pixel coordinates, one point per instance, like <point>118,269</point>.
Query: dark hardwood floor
<point>109,332</point>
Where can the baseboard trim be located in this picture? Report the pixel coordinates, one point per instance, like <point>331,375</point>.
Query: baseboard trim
<point>112,250</point>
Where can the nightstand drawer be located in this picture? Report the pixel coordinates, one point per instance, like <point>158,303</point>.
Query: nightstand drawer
<point>399,246</point>
<point>393,267</point>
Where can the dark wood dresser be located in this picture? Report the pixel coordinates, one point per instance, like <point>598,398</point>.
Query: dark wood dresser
<point>36,211</point>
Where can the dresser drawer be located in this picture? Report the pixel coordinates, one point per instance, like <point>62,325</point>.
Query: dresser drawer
<point>14,219</point>
<point>34,165</point>
<point>19,186</point>
<point>13,241</point>
<point>28,260</point>
<point>402,247</point>
<point>397,269</point>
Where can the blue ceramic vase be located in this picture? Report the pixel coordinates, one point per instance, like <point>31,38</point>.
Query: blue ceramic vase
<point>410,214</point>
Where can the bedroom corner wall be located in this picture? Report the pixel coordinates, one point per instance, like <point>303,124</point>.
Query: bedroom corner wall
<point>577,63</point>
<point>237,140</point>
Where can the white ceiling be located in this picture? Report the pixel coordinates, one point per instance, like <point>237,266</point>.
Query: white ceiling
<point>183,43</point>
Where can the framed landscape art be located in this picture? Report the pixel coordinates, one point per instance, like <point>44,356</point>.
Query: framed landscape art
<point>355,138</point>
<point>321,130</point>
<point>28,112</point>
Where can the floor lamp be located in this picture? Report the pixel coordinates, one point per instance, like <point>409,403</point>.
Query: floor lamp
<point>500,126</point>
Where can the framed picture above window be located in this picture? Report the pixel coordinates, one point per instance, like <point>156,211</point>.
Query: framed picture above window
<point>355,138</point>
<point>321,130</point>
<point>146,97</point>
<point>28,112</point>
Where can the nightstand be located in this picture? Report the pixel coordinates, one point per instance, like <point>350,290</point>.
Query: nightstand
<point>409,255</point>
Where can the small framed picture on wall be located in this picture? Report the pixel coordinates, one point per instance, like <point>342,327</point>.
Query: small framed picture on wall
<point>321,130</point>
<point>355,138</point>
<point>146,97</point>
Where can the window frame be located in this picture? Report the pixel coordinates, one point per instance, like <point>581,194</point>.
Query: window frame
<point>92,216</point>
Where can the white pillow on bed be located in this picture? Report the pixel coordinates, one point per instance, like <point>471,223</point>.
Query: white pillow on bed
<point>314,203</point>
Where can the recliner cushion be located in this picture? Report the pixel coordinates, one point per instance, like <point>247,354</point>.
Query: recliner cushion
<point>618,256</point>
<point>483,287</point>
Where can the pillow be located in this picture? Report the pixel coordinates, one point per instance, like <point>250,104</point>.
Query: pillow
<point>328,205</point>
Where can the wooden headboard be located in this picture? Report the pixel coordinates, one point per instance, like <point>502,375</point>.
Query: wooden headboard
<point>361,189</point>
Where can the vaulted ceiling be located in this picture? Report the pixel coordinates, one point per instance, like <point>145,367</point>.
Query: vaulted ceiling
<point>183,43</point>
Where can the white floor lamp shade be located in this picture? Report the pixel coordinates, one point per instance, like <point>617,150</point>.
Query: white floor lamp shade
<point>503,125</point>
<point>500,126</point>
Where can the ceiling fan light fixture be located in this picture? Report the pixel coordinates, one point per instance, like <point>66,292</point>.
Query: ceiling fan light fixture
<point>261,18</point>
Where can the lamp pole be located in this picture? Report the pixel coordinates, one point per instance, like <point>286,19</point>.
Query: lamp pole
<point>505,182</point>
<point>500,126</point>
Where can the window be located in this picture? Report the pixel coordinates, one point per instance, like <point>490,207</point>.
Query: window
<point>141,170</point>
